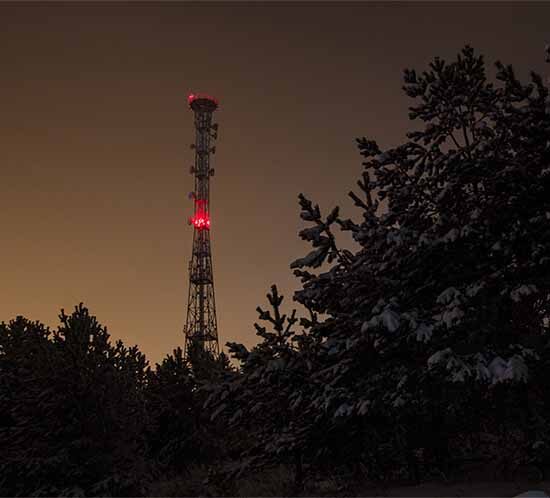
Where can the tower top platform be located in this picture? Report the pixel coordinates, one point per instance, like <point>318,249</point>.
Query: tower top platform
<point>202,102</point>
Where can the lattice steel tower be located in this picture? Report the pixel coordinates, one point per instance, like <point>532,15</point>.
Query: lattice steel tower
<point>201,326</point>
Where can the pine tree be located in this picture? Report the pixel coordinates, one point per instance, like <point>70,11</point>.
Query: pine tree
<point>446,303</point>
<point>436,334</point>
<point>73,410</point>
<point>262,403</point>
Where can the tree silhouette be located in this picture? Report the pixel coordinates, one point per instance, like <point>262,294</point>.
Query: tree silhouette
<point>436,329</point>
<point>76,413</point>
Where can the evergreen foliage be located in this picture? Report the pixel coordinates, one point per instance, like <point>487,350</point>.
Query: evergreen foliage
<point>73,412</point>
<point>433,347</point>
<point>180,433</point>
<point>437,327</point>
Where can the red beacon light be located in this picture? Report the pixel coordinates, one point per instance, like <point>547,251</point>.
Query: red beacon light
<point>200,220</point>
<point>200,223</point>
<point>202,96</point>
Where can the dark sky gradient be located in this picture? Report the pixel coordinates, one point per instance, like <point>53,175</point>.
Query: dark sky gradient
<point>95,134</point>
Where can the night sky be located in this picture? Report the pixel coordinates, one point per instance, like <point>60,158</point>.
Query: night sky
<point>95,134</point>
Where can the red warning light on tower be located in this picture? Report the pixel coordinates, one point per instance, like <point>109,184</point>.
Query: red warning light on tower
<point>200,219</point>
<point>204,99</point>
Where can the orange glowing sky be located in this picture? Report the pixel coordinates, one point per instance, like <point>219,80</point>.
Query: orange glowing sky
<point>95,134</point>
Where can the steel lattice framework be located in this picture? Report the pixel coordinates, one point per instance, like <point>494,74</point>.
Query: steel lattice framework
<point>201,325</point>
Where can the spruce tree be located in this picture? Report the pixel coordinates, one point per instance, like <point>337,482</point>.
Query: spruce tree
<point>443,312</point>
<point>73,412</point>
<point>435,339</point>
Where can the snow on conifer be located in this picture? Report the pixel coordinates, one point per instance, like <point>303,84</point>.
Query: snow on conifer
<point>443,309</point>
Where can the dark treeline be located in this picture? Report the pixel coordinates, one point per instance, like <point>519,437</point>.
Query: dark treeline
<point>425,351</point>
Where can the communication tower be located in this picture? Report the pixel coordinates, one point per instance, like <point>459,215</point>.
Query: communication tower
<point>201,326</point>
